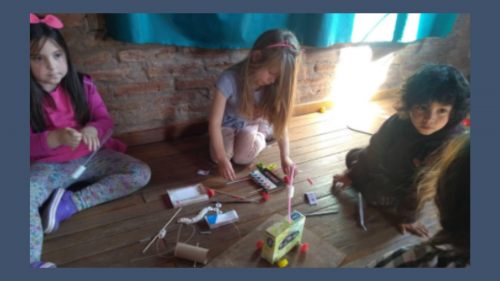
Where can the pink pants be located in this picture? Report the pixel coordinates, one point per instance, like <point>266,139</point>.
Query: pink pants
<point>241,146</point>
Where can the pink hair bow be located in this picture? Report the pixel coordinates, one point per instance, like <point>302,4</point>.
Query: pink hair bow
<point>49,20</point>
<point>281,44</point>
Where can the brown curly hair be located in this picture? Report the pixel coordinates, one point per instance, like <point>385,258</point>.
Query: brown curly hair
<point>441,83</point>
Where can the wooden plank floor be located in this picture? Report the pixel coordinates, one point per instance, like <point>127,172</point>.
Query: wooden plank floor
<point>108,235</point>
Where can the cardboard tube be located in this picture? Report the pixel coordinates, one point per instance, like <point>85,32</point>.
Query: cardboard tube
<point>192,253</point>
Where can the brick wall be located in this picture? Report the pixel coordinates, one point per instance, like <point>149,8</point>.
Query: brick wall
<point>148,86</point>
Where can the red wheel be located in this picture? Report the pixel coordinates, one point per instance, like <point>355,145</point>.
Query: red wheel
<point>260,245</point>
<point>286,179</point>
<point>265,196</point>
<point>304,248</point>
<point>210,193</point>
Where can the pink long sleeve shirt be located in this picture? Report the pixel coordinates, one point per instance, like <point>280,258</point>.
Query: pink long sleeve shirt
<point>62,116</point>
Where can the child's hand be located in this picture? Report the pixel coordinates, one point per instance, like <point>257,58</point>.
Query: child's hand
<point>69,137</point>
<point>226,170</point>
<point>415,228</point>
<point>286,165</point>
<point>342,178</point>
<point>90,137</point>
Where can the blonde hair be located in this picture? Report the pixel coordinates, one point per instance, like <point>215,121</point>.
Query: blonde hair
<point>447,181</point>
<point>278,98</point>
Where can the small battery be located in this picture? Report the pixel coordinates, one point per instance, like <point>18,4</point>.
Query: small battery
<point>311,198</point>
<point>215,221</point>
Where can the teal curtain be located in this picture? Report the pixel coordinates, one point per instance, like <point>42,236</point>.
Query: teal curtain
<point>238,31</point>
<point>435,24</point>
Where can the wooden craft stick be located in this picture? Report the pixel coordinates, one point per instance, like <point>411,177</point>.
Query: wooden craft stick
<point>234,196</point>
<point>156,237</point>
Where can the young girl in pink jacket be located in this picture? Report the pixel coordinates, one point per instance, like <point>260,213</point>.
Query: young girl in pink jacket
<point>68,121</point>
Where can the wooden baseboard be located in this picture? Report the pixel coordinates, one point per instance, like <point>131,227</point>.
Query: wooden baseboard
<point>200,126</point>
<point>307,108</point>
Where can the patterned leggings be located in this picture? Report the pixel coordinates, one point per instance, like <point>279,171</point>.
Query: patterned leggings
<point>113,174</point>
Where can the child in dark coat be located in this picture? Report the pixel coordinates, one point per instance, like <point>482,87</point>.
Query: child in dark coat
<point>434,101</point>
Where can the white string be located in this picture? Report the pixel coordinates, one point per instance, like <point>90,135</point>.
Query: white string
<point>178,238</point>
<point>237,228</point>
<point>161,255</point>
<point>361,215</point>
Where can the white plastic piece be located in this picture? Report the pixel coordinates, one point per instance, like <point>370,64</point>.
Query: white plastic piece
<point>188,195</point>
<point>203,173</point>
<point>78,173</point>
<point>162,233</point>
<point>200,216</point>
<point>291,188</point>
<point>219,220</point>
<point>291,191</point>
